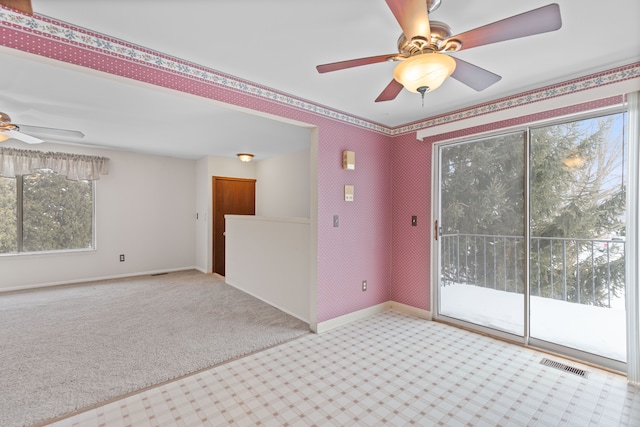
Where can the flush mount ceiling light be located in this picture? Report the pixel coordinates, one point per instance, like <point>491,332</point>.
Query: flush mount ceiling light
<point>245,157</point>
<point>425,72</point>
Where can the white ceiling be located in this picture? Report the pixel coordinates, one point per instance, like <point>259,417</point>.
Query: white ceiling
<point>277,44</point>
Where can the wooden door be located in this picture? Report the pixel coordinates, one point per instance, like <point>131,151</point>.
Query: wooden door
<point>236,196</point>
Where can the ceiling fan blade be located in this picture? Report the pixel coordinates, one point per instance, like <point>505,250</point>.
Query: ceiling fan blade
<point>23,6</point>
<point>390,92</point>
<point>335,66</point>
<point>473,76</point>
<point>53,132</point>
<point>22,137</point>
<point>537,21</point>
<point>413,17</point>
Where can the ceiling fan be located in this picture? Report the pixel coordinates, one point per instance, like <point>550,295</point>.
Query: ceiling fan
<point>23,6</point>
<point>12,130</point>
<point>423,47</point>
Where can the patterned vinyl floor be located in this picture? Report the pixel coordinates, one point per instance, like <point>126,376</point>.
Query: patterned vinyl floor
<point>387,370</point>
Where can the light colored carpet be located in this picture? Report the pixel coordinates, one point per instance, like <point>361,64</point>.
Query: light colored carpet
<point>65,348</point>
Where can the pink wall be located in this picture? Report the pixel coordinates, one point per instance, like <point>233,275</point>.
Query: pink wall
<point>411,245</point>
<point>360,248</point>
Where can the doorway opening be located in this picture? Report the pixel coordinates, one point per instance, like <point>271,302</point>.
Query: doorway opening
<point>231,196</point>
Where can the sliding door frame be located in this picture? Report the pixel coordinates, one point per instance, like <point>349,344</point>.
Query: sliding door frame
<point>526,339</point>
<point>435,252</point>
<point>632,272</point>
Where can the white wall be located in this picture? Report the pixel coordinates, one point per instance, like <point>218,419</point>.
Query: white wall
<point>269,259</point>
<point>230,168</point>
<point>202,213</point>
<point>206,168</point>
<point>145,209</point>
<point>282,187</point>
<point>282,190</point>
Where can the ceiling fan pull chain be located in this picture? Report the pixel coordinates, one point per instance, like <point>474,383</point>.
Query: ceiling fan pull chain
<point>423,90</point>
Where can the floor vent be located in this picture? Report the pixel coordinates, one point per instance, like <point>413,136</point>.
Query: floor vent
<point>563,367</point>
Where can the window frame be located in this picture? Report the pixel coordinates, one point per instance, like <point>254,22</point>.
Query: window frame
<point>20,230</point>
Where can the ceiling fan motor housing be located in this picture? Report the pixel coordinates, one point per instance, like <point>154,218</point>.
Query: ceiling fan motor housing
<point>438,41</point>
<point>5,122</point>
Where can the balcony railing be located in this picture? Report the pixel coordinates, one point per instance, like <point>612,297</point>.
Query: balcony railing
<point>584,271</point>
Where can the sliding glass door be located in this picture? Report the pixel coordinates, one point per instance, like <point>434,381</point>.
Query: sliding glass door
<point>482,245</point>
<point>577,227</point>
<point>531,236</point>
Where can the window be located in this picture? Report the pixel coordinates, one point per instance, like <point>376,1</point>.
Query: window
<point>44,211</point>
<point>47,200</point>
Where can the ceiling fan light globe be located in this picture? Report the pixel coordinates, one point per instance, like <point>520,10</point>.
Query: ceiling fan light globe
<point>424,70</point>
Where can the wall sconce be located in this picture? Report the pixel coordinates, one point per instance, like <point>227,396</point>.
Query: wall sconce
<point>245,157</point>
<point>348,160</point>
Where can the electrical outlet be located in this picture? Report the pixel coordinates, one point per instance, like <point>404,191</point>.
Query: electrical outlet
<point>121,257</point>
<point>336,221</point>
<point>364,285</point>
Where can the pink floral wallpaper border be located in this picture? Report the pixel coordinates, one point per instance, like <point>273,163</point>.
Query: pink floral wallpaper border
<point>46,27</point>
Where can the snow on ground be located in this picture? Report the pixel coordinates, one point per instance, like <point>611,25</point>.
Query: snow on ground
<point>592,329</point>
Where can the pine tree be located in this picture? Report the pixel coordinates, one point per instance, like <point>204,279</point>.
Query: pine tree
<point>482,194</point>
<point>8,216</point>
<point>57,213</point>
<point>576,192</point>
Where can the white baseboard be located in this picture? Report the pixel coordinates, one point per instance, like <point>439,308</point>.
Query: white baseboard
<point>369,311</point>
<point>92,279</point>
<point>412,311</point>
<point>348,318</point>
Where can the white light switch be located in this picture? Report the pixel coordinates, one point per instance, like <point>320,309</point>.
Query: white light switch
<point>348,193</point>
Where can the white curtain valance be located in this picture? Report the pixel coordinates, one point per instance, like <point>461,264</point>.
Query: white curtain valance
<point>75,167</point>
